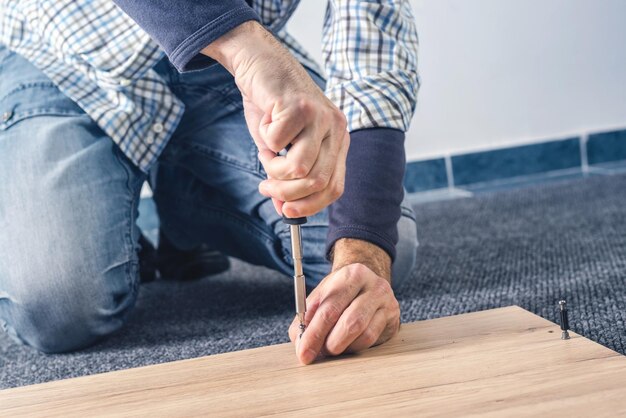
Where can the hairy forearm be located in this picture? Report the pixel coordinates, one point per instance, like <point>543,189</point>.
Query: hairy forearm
<point>350,251</point>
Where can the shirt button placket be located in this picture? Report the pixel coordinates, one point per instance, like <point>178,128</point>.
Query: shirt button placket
<point>157,128</point>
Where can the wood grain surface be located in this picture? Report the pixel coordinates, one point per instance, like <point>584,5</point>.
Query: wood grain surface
<point>502,362</point>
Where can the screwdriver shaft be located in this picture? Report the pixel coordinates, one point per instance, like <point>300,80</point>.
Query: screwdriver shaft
<point>299,283</point>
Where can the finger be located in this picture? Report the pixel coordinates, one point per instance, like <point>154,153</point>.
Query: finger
<point>294,330</point>
<point>266,154</point>
<point>300,159</point>
<point>353,322</point>
<point>278,205</point>
<point>253,116</point>
<point>312,302</point>
<point>283,125</point>
<point>316,202</point>
<point>317,180</point>
<point>371,334</point>
<point>337,296</point>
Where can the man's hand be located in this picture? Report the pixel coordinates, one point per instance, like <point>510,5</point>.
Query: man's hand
<point>284,106</point>
<point>353,308</point>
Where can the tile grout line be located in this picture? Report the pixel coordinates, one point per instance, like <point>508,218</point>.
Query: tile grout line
<point>584,161</point>
<point>531,141</point>
<point>449,171</point>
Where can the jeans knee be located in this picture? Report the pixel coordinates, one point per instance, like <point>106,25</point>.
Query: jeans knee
<point>64,315</point>
<point>406,249</point>
<point>49,327</point>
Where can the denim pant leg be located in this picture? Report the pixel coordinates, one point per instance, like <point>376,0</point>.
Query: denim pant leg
<point>68,197</point>
<point>206,186</point>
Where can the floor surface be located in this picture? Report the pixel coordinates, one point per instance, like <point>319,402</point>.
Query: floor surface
<point>528,246</point>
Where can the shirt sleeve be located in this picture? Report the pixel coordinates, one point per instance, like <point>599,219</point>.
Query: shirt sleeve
<point>79,33</point>
<point>183,28</point>
<point>370,51</point>
<point>370,206</point>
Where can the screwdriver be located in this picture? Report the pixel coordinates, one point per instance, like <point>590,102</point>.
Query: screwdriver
<point>299,284</point>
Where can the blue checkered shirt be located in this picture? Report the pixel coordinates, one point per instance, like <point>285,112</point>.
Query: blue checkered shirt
<point>104,61</point>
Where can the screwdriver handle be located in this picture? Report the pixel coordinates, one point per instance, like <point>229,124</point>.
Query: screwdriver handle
<point>294,221</point>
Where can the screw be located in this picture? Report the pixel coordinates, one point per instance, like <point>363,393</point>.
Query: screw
<point>564,320</point>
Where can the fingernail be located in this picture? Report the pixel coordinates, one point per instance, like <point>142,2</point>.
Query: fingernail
<point>308,356</point>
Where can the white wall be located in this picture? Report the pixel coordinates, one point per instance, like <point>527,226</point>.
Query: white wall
<point>502,72</point>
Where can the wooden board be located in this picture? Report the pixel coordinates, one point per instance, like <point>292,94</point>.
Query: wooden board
<point>503,362</point>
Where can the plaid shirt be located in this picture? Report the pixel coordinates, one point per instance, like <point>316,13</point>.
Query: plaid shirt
<point>103,61</point>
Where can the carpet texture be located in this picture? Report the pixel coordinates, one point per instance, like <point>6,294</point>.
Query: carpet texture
<point>529,247</point>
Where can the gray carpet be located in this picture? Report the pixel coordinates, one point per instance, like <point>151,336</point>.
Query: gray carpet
<point>528,247</point>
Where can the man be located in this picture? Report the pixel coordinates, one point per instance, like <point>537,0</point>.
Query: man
<point>91,108</point>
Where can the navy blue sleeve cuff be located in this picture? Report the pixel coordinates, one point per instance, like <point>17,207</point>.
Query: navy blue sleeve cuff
<point>370,206</point>
<point>184,28</point>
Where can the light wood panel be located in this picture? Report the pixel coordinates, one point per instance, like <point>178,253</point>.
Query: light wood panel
<point>503,362</point>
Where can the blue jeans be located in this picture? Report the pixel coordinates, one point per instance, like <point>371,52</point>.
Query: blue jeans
<point>69,197</point>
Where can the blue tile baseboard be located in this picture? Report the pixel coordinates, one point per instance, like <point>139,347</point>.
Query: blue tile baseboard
<point>425,175</point>
<point>480,167</point>
<point>549,160</point>
<point>606,147</point>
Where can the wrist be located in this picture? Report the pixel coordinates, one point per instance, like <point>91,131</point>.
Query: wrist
<point>350,251</point>
<point>230,48</point>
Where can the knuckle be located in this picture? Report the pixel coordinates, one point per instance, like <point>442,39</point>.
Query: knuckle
<point>319,182</point>
<point>396,307</point>
<point>336,190</point>
<point>346,139</point>
<point>356,324</point>
<point>330,314</point>
<point>299,170</point>
<point>291,211</point>
<point>350,277</point>
<point>369,337</point>
<point>395,310</point>
<point>382,287</point>
<point>357,270</point>
<point>279,194</point>
<point>273,143</point>
<point>354,275</point>
<point>333,349</point>
<point>339,120</point>
<point>396,325</point>
<point>304,106</point>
